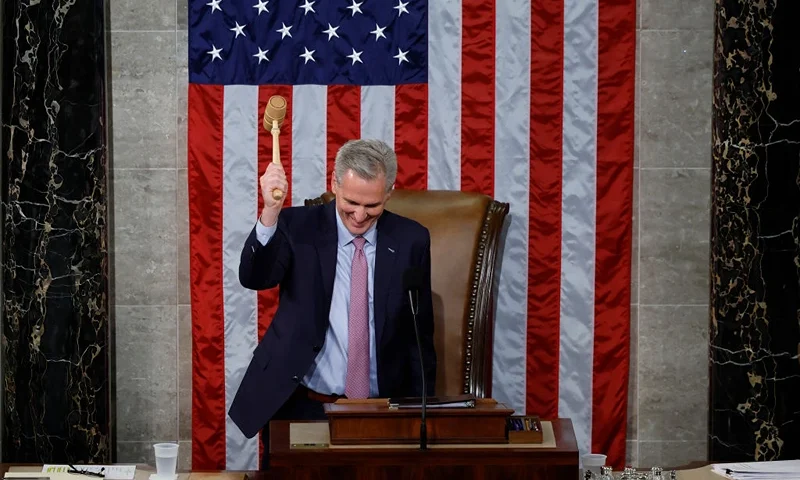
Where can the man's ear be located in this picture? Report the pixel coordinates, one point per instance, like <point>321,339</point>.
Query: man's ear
<point>333,184</point>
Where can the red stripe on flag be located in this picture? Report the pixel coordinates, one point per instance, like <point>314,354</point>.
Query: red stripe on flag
<point>615,128</point>
<point>411,135</point>
<point>344,120</point>
<point>544,256</point>
<point>205,250</point>
<point>268,299</point>
<point>477,96</point>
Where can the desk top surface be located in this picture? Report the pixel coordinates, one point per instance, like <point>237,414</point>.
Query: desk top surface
<point>144,471</point>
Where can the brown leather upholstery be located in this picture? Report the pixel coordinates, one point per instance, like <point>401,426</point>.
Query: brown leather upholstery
<point>465,232</point>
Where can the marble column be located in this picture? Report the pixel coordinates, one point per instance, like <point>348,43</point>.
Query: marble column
<point>755,237</point>
<point>55,201</point>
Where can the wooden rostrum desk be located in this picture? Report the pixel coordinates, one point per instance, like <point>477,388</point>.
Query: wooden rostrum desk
<point>368,440</point>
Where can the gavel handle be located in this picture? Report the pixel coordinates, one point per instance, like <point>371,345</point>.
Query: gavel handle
<point>276,155</point>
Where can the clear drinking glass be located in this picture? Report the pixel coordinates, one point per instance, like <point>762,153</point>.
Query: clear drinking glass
<point>166,459</point>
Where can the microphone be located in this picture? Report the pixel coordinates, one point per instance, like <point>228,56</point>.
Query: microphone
<point>412,282</point>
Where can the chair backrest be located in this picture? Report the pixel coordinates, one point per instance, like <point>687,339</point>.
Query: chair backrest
<point>465,234</point>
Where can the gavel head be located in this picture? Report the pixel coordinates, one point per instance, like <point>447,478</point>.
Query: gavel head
<point>276,110</point>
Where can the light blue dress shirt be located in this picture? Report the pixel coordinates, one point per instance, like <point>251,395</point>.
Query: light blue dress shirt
<point>328,373</point>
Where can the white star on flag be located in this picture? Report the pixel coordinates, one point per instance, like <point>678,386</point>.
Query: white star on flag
<point>284,31</point>
<point>239,29</point>
<point>331,31</point>
<point>355,56</point>
<point>378,32</point>
<point>307,7</point>
<point>308,55</point>
<point>401,8</point>
<point>214,4</point>
<point>261,6</point>
<point>262,55</point>
<point>401,56</point>
<point>356,8</point>
<point>215,52</point>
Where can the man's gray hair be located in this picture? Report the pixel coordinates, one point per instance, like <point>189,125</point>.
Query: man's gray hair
<point>368,159</point>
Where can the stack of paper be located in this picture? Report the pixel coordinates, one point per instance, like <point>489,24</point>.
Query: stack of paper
<point>777,470</point>
<point>450,401</point>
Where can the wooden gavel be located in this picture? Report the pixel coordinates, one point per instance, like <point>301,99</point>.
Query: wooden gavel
<point>274,115</point>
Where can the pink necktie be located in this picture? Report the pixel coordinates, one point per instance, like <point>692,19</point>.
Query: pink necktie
<point>357,382</point>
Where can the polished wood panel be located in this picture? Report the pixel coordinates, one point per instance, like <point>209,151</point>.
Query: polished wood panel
<point>421,472</point>
<point>358,423</point>
<point>411,463</point>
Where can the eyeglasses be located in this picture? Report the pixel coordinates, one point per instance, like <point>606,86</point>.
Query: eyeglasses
<point>100,474</point>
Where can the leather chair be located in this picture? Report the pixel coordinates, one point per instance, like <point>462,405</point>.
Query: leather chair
<point>465,235</point>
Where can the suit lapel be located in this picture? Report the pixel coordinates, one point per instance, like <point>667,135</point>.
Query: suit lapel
<point>385,257</point>
<point>326,244</point>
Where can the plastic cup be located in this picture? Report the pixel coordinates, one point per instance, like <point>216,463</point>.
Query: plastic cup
<point>592,462</point>
<point>166,459</point>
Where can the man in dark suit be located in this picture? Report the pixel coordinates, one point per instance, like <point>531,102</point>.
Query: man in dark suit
<point>343,326</point>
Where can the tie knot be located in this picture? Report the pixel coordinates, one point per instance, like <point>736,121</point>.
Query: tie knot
<point>359,242</point>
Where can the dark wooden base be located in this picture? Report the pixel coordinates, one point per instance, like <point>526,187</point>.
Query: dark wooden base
<point>407,463</point>
<point>437,472</point>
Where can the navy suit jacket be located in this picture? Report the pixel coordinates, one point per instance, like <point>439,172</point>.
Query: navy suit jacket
<point>300,258</point>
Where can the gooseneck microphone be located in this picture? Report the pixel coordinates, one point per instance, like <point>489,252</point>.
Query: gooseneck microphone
<point>412,282</point>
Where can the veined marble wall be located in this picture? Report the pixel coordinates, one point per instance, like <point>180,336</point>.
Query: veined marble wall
<point>56,329</point>
<point>669,374</point>
<point>755,389</point>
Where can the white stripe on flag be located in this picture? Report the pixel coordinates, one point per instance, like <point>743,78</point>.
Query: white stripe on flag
<point>579,186</point>
<point>239,205</point>
<point>512,174</point>
<point>377,113</point>
<point>444,95</point>
<point>309,142</point>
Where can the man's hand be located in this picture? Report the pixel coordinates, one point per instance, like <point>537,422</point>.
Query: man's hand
<point>273,178</point>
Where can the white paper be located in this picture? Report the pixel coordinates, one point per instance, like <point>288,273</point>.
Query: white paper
<point>112,472</point>
<point>775,470</point>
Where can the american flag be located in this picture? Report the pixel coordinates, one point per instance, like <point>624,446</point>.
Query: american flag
<point>529,101</point>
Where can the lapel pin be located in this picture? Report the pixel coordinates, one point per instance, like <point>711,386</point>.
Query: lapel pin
<point>390,249</point>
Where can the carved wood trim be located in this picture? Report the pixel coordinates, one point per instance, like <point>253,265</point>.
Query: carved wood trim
<point>480,323</point>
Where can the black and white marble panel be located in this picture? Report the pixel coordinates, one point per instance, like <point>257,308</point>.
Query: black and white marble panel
<point>755,240</point>
<point>55,202</point>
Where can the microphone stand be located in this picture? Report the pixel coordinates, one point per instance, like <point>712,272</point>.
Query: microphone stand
<point>423,431</point>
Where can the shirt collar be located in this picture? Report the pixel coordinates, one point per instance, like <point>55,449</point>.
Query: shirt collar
<point>344,235</point>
